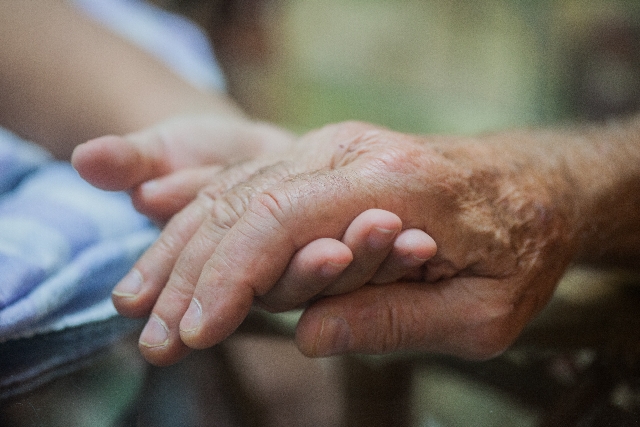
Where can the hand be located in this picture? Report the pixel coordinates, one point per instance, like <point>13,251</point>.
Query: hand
<point>164,166</point>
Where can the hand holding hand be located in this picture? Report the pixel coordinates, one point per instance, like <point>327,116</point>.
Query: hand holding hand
<point>501,249</point>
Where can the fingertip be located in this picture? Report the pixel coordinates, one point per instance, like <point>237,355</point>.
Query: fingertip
<point>158,345</point>
<point>313,268</point>
<point>375,228</point>
<point>331,255</point>
<point>129,306</point>
<point>415,243</point>
<point>131,297</point>
<point>330,258</point>
<point>161,356</point>
<point>379,218</point>
<point>214,313</point>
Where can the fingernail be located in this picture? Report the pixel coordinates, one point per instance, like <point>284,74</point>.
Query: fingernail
<point>155,333</point>
<point>129,286</point>
<point>191,319</point>
<point>334,338</point>
<point>332,269</point>
<point>380,237</point>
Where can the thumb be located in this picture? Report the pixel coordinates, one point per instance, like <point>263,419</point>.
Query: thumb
<point>426,317</point>
<point>123,162</point>
<point>370,320</point>
<point>115,163</point>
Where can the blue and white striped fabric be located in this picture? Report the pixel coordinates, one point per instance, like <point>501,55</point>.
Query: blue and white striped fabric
<point>64,244</point>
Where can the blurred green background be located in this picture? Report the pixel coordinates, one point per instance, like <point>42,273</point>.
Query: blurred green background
<point>453,66</point>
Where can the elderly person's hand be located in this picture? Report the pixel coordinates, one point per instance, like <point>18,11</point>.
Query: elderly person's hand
<point>165,166</point>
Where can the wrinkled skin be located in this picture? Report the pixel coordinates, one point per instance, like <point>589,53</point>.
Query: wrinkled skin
<point>502,246</point>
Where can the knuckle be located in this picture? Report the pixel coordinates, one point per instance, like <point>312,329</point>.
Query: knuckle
<point>272,203</point>
<point>254,194</point>
<point>227,211</point>
<point>397,326</point>
<point>184,277</point>
<point>394,158</point>
<point>180,288</point>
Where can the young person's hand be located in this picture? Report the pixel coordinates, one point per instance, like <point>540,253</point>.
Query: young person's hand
<point>163,167</point>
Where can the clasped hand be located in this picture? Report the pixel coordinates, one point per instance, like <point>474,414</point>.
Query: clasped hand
<point>344,223</point>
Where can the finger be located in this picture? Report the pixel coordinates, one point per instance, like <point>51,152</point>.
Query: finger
<point>137,292</point>
<point>160,341</point>
<point>370,237</point>
<point>123,162</point>
<point>163,197</point>
<point>114,163</point>
<point>411,249</point>
<point>440,318</point>
<point>310,271</point>
<point>178,294</point>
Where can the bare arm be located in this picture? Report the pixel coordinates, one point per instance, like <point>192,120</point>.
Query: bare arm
<point>64,79</point>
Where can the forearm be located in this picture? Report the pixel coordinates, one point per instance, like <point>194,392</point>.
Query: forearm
<point>64,79</point>
<point>592,176</point>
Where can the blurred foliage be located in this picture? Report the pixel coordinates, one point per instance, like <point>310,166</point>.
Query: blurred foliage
<point>459,66</point>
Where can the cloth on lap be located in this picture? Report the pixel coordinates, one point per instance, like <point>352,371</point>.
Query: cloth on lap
<point>63,243</point>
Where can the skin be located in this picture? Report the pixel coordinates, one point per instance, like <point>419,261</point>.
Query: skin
<point>509,212</point>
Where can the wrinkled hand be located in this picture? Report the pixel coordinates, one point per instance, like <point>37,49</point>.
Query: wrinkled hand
<point>501,249</point>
